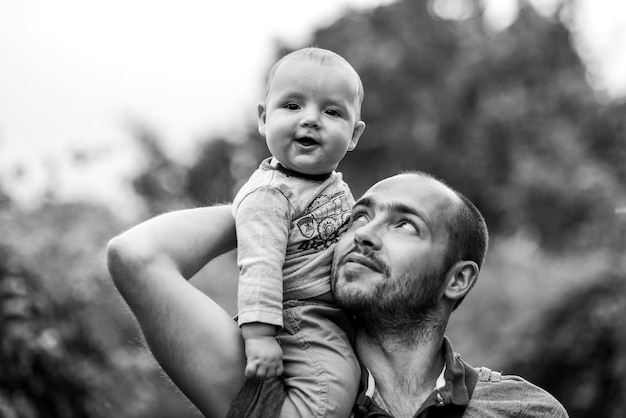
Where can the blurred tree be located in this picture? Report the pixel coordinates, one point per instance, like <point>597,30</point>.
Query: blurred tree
<point>50,364</point>
<point>577,351</point>
<point>222,164</point>
<point>210,179</point>
<point>5,199</point>
<point>63,325</point>
<point>163,182</point>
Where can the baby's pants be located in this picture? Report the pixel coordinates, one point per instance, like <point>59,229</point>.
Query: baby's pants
<point>321,372</point>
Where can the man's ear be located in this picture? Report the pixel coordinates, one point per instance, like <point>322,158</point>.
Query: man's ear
<point>460,279</point>
<point>261,117</point>
<point>359,127</point>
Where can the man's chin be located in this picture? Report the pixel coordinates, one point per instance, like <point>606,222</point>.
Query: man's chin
<point>349,288</point>
<point>355,300</point>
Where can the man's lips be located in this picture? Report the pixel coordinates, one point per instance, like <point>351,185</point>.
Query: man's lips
<point>363,260</point>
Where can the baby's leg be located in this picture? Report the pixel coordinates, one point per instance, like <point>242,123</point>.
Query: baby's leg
<point>321,370</point>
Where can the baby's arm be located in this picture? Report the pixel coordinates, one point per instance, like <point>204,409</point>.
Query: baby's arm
<point>263,220</point>
<point>265,357</point>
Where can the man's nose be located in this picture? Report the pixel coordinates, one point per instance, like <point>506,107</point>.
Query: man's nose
<point>368,236</point>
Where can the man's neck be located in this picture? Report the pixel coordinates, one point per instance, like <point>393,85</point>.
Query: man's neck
<point>405,375</point>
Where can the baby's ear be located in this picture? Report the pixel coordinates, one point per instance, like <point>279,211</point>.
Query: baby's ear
<point>261,118</point>
<point>359,127</point>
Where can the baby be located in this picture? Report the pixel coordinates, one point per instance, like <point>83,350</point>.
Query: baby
<point>289,215</point>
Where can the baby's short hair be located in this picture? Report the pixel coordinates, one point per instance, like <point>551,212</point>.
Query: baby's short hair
<point>323,57</point>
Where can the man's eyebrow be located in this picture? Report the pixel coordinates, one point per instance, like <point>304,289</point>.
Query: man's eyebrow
<point>394,207</point>
<point>408,210</point>
<point>364,201</point>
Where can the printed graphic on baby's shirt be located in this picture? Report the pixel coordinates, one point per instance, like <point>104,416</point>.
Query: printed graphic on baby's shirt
<point>324,221</point>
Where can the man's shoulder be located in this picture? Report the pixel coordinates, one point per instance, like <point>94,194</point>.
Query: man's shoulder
<point>497,394</point>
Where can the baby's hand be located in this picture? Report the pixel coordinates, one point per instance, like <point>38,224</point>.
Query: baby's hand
<point>265,357</point>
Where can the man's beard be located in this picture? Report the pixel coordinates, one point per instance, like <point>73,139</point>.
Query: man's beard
<point>403,310</point>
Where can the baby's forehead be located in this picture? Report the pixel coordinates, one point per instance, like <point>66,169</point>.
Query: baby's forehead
<point>316,61</point>
<point>324,61</point>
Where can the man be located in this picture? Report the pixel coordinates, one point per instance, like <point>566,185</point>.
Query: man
<point>412,253</point>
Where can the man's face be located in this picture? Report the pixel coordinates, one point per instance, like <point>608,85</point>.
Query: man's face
<point>392,255</point>
<point>310,117</point>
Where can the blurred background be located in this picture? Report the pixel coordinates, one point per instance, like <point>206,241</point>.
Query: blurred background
<point>113,112</point>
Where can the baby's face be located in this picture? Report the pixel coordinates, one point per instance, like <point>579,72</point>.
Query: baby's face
<point>310,117</point>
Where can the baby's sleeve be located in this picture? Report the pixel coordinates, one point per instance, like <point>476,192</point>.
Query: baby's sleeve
<point>262,220</point>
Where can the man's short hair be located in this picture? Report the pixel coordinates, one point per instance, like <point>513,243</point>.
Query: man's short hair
<point>322,57</point>
<point>468,233</point>
<point>468,237</point>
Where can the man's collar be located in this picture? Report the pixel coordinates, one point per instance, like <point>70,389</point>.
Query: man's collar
<point>459,379</point>
<point>441,380</point>
<point>456,375</point>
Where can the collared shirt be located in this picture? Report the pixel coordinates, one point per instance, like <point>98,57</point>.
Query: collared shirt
<point>370,392</point>
<point>469,392</point>
<point>494,395</point>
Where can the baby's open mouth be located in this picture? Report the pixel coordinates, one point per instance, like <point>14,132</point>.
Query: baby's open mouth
<point>306,141</point>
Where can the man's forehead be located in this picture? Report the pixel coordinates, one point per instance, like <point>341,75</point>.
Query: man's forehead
<point>422,193</point>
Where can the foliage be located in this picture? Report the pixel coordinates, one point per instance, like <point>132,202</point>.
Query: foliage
<point>51,365</point>
<point>65,336</point>
<point>577,351</point>
<point>163,183</point>
<point>217,171</point>
<point>517,289</point>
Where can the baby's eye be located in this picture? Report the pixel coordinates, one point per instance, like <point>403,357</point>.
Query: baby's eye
<point>292,106</point>
<point>333,112</point>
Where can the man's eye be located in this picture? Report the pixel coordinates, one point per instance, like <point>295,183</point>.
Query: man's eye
<point>359,217</point>
<point>408,226</point>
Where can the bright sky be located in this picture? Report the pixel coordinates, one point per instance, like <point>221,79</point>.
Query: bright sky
<point>75,74</point>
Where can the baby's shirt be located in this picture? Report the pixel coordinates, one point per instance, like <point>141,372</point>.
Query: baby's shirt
<point>287,226</point>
